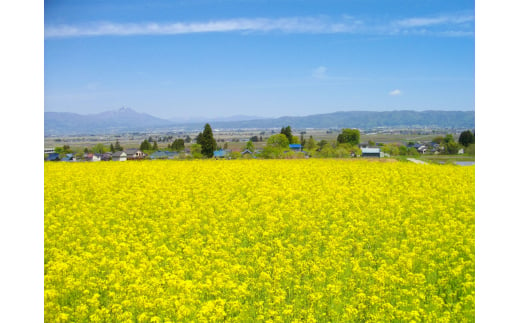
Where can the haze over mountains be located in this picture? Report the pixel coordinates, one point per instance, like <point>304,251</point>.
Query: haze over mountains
<point>205,120</point>
<point>127,120</point>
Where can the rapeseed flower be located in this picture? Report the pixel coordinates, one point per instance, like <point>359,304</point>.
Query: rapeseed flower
<point>259,240</point>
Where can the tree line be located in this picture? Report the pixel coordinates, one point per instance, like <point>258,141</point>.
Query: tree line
<point>278,145</point>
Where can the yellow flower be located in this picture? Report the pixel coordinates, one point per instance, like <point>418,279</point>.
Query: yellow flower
<point>280,240</point>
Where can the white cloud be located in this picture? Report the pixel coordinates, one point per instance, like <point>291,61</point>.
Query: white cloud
<point>320,25</point>
<point>455,25</point>
<point>319,72</point>
<point>395,92</point>
<point>439,20</point>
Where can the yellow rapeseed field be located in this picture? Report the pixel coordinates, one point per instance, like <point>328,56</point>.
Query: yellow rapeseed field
<point>259,241</point>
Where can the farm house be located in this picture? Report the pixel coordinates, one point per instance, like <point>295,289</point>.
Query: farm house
<point>371,152</point>
<point>119,156</point>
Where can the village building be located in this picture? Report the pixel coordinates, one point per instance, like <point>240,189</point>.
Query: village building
<point>119,156</point>
<point>134,153</point>
<point>371,152</point>
<point>92,157</point>
<point>69,157</point>
<point>221,153</point>
<point>163,154</point>
<point>106,156</point>
<point>295,147</point>
<point>53,157</point>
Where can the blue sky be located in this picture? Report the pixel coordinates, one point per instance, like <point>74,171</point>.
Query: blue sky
<point>201,58</point>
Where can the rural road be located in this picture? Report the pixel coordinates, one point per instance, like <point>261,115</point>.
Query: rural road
<point>416,161</point>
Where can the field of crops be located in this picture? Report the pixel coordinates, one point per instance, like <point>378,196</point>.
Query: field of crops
<point>259,240</point>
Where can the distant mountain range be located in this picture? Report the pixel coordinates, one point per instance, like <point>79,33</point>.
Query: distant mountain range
<point>364,120</point>
<point>122,120</point>
<point>211,120</point>
<point>128,120</point>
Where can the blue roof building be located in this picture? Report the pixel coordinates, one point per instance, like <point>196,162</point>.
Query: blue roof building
<point>295,147</point>
<point>68,157</point>
<point>53,157</point>
<point>220,153</point>
<point>159,154</point>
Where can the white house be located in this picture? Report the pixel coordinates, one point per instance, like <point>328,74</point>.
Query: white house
<point>134,153</point>
<point>93,157</point>
<point>119,156</point>
<point>371,152</point>
<point>422,149</point>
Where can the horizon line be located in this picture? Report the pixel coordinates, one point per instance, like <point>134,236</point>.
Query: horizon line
<point>267,117</point>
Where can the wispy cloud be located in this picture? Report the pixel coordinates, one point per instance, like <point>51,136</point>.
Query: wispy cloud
<point>395,92</point>
<point>319,72</point>
<point>441,25</point>
<point>438,20</point>
<point>461,25</point>
<point>317,25</point>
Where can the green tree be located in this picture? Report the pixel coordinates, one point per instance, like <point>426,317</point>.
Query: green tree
<point>327,151</point>
<point>470,150</point>
<point>355,150</point>
<point>188,139</point>
<point>413,152</point>
<point>349,136</point>
<point>466,138</point>
<point>452,147</point>
<point>145,145</point>
<point>288,133</point>
<point>371,143</point>
<point>178,145</point>
<point>448,138</point>
<point>155,147</point>
<point>391,149</point>
<point>271,152</point>
<point>196,150</point>
<point>99,149</point>
<point>438,140</point>
<point>322,143</point>
<point>278,141</point>
<point>250,146</point>
<point>117,146</point>
<point>310,144</point>
<point>207,142</point>
<point>112,149</point>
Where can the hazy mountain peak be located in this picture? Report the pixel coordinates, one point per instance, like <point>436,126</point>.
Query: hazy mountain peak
<point>126,109</point>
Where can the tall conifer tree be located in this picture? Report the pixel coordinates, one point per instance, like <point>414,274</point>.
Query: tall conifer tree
<point>207,142</point>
